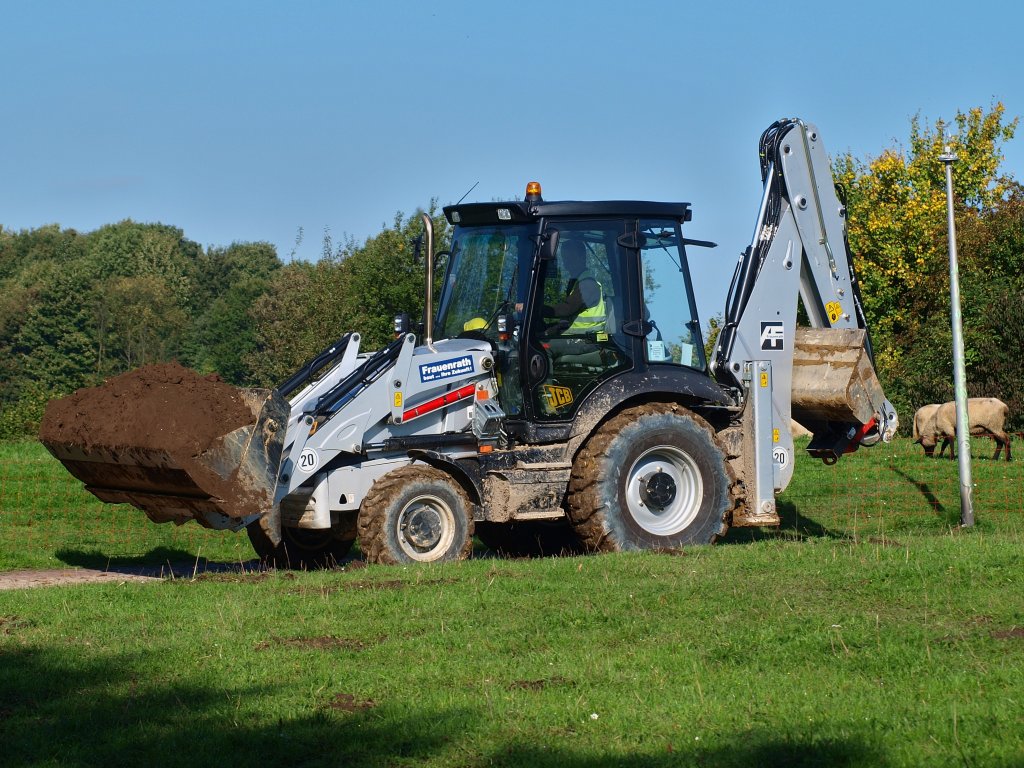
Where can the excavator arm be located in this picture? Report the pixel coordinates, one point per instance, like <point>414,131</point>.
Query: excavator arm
<point>822,376</point>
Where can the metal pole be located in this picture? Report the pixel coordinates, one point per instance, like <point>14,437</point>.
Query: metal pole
<point>428,226</point>
<point>963,428</point>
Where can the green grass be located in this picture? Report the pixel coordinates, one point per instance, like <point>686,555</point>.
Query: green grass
<point>867,630</point>
<point>823,652</point>
<point>48,520</point>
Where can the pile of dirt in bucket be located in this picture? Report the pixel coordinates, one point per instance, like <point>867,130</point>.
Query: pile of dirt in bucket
<point>178,445</point>
<point>164,406</point>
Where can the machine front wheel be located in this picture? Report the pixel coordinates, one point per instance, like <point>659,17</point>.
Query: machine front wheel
<point>652,477</point>
<point>302,548</point>
<point>415,514</point>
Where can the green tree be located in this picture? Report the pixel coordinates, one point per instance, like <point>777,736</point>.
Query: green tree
<point>356,288</point>
<point>52,344</point>
<point>897,230</point>
<point>146,324</point>
<point>129,249</point>
<point>298,315</point>
<point>223,336</point>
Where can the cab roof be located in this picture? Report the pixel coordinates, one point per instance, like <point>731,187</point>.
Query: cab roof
<point>521,212</point>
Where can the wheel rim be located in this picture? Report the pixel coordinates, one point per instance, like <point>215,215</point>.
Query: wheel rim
<point>426,528</point>
<point>664,490</point>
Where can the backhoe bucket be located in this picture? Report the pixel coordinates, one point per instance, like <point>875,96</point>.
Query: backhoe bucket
<point>224,485</point>
<point>833,378</point>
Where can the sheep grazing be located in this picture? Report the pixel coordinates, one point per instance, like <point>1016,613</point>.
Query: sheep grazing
<point>985,415</point>
<point>924,415</point>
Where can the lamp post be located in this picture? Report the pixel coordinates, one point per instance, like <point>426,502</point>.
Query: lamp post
<point>963,426</point>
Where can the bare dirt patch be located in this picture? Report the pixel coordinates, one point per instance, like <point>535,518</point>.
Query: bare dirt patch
<point>9,624</point>
<point>396,584</point>
<point>55,577</point>
<point>60,576</point>
<point>1017,633</point>
<point>537,685</point>
<point>325,643</point>
<point>346,702</point>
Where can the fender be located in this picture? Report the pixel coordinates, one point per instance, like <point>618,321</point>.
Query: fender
<point>468,478</point>
<point>676,383</point>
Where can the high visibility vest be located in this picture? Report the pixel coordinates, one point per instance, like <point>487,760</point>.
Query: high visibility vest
<point>593,319</point>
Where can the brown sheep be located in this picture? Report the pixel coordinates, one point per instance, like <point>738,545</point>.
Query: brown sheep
<point>985,416</point>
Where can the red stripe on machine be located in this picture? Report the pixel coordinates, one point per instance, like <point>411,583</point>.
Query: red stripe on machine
<point>440,402</point>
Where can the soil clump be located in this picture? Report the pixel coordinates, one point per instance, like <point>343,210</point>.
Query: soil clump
<point>163,406</point>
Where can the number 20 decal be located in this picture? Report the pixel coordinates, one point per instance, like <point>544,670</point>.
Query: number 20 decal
<point>308,460</point>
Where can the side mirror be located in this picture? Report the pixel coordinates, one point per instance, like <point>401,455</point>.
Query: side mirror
<point>549,245</point>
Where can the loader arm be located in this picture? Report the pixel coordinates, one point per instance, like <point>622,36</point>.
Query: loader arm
<point>822,376</point>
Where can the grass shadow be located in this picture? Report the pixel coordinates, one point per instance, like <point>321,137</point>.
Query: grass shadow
<point>61,709</point>
<point>925,490</point>
<point>159,561</point>
<point>93,710</point>
<point>793,526</point>
<point>757,749</point>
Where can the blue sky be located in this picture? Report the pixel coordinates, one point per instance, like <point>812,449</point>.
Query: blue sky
<point>243,121</point>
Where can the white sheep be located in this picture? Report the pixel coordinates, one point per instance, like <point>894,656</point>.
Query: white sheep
<point>985,416</point>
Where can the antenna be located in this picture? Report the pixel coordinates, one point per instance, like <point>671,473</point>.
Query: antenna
<point>467,192</point>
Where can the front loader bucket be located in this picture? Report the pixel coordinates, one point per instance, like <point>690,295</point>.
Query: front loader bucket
<point>833,378</point>
<point>218,482</point>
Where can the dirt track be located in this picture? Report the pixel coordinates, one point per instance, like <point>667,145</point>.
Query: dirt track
<point>142,573</point>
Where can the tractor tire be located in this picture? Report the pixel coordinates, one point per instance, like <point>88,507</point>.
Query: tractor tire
<point>652,477</point>
<point>304,548</point>
<point>530,538</point>
<point>416,514</point>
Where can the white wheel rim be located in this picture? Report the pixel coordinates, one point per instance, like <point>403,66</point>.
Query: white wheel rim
<point>680,472</point>
<point>425,528</point>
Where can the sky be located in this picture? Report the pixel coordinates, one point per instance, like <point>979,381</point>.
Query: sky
<point>246,121</point>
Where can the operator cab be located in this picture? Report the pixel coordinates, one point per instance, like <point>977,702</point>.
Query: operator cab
<point>571,295</point>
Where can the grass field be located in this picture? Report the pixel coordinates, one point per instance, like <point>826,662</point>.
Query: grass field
<point>867,630</point>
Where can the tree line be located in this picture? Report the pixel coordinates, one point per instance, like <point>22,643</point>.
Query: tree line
<point>78,308</point>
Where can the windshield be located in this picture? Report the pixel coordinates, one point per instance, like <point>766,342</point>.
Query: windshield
<point>488,273</point>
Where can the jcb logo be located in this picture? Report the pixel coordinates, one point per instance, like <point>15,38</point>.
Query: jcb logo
<point>557,396</point>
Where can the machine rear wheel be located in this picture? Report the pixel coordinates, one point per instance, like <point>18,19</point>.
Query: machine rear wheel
<point>415,514</point>
<point>652,477</point>
<point>304,548</point>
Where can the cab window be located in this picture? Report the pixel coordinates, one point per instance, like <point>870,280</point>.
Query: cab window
<point>674,336</point>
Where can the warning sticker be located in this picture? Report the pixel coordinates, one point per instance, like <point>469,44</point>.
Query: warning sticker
<point>446,369</point>
<point>773,336</point>
<point>834,310</point>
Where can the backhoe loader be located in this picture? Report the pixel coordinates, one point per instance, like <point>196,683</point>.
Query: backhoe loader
<point>559,395</point>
